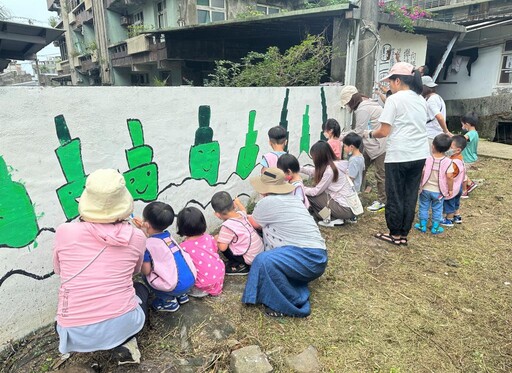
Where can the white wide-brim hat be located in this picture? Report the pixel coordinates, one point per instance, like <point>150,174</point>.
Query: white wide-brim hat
<point>105,198</point>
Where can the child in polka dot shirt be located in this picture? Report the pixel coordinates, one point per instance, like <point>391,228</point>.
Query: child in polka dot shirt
<point>202,248</point>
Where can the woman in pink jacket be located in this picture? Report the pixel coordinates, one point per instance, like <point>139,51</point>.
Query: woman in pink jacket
<point>100,308</point>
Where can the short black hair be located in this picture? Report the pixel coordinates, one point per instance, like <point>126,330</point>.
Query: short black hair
<point>470,118</point>
<point>459,141</point>
<point>332,124</point>
<point>288,162</point>
<point>426,70</point>
<point>191,222</point>
<point>442,142</point>
<point>159,215</point>
<point>277,135</point>
<point>222,203</point>
<point>353,138</point>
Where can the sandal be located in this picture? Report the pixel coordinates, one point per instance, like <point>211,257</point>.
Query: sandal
<point>271,313</point>
<point>388,238</point>
<point>403,241</point>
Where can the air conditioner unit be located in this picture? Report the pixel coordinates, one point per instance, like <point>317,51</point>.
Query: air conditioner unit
<point>125,21</point>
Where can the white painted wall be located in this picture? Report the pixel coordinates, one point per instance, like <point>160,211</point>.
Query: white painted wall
<point>97,116</point>
<point>411,48</point>
<point>482,82</point>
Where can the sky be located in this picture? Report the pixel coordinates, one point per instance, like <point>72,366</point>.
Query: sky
<point>36,10</point>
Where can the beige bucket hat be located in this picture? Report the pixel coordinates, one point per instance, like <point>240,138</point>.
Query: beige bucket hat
<point>271,181</point>
<point>105,198</point>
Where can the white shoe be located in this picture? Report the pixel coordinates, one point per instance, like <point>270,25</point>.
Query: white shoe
<point>197,293</point>
<point>128,353</point>
<point>331,223</point>
<point>376,206</point>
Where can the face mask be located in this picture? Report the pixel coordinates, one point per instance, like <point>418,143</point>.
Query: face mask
<point>449,152</point>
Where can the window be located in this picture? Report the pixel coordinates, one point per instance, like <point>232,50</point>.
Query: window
<point>506,64</point>
<point>211,11</point>
<point>265,9</point>
<point>161,14</point>
<point>140,79</point>
<point>138,18</point>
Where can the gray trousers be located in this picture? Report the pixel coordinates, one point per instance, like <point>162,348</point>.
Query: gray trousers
<point>380,175</point>
<point>337,211</point>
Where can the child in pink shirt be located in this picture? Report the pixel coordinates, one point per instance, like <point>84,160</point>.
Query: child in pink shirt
<point>202,248</point>
<point>332,131</point>
<point>237,239</point>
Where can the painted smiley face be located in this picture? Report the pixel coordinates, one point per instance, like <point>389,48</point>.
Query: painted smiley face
<point>204,160</point>
<point>68,195</point>
<point>142,182</point>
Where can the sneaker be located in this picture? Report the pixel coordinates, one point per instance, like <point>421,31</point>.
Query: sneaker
<point>447,222</point>
<point>182,299</point>
<point>127,353</point>
<point>237,270</point>
<point>166,306</point>
<point>457,219</point>
<point>352,220</point>
<point>376,206</point>
<point>472,187</point>
<point>197,293</point>
<point>464,194</point>
<point>331,223</point>
<point>421,226</point>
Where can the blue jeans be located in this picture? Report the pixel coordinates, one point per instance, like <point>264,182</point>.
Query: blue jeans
<point>166,296</point>
<point>452,205</point>
<point>431,199</point>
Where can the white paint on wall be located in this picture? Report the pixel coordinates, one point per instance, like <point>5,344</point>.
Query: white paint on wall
<point>97,116</point>
<point>411,48</point>
<point>483,79</point>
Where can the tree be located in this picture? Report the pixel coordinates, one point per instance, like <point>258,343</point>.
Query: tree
<point>301,65</point>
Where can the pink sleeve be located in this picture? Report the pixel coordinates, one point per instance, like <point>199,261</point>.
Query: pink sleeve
<point>56,263</point>
<point>226,235</point>
<point>322,185</point>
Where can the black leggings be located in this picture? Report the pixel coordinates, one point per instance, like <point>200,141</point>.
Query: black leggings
<point>402,186</point>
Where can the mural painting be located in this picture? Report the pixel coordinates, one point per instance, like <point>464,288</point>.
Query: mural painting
<point>18,222</point>
<point>305,136</point>
<point>204,156</point>
<point>248,154</point>
<point>284,115</point>
<point>142,176</point>
<point>69,154</point>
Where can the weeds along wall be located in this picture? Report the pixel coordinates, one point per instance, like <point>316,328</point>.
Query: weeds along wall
<point>178,145</point>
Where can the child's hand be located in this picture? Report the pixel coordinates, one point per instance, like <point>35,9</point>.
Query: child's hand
<point>450,193</point>
<point>238,205</point>
<point>137,222</point>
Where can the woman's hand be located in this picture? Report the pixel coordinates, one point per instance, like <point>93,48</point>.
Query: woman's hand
<point>137,221</point>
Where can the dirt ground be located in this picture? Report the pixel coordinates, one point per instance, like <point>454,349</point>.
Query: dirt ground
<point>442,304</point>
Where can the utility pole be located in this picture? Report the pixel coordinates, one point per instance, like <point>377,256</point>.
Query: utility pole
<point>38,72</point>
<point>368,46</point>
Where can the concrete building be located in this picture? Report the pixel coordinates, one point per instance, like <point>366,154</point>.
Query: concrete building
<point>477,75</point>
<point>106,42</point>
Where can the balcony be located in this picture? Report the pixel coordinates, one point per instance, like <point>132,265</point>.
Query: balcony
<point>81,16</point>
<point>88,62</point>
<point>123,6</point>
<point>53,5</point>
<point>146,49</point>
<point>63,67</point>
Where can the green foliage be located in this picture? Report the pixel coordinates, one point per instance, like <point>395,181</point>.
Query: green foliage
<point>249,12</point>
<point>301,65</point>
<point>321,3</point>
<point>160,82</point>
<point>135,30</point>
<point>53,21</point>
